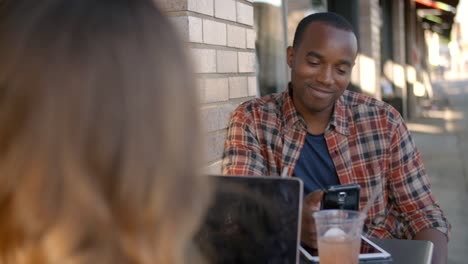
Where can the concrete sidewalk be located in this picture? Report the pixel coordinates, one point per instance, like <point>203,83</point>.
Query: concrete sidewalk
<point>442,138</point>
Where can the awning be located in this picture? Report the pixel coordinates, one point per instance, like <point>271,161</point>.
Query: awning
<point>437,15</point>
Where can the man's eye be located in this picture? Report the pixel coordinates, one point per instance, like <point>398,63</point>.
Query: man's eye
<point>342,70</point>
<point>313,62</point>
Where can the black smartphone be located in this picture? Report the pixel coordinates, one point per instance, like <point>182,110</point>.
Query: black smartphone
<point>341,197</point>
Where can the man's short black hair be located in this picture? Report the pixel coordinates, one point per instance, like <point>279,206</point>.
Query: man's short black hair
<point>329,18</point>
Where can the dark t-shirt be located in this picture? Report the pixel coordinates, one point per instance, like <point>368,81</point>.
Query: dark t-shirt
<point>315,166</point>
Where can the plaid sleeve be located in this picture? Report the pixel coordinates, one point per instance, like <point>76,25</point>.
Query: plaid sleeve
<point>242,151</point>
<point>410,187</point>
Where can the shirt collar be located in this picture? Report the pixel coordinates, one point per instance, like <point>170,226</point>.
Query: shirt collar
<point>290,114</point>
<point>292,118</point>
<point>339,119</point>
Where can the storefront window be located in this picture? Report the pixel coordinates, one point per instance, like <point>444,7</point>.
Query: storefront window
<point>271,45</point>
<point>298,9</point>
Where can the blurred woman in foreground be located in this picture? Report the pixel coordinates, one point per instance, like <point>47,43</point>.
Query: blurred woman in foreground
<point>98,135</point>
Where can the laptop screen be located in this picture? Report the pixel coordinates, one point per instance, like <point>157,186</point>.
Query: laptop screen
<point>252,220</point>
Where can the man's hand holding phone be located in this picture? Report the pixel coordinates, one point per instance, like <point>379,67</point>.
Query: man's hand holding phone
<point>311,204</point>
<point>335,197</point>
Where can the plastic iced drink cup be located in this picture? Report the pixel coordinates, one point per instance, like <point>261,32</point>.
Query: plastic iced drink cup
<point>338,235</point>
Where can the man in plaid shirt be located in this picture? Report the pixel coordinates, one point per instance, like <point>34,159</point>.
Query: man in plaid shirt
<point>320,132</point>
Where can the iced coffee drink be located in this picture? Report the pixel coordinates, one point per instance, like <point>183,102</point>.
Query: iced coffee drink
<point>338,236</point>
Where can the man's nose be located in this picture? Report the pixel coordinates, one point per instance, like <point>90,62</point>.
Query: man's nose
<point>325,75</point>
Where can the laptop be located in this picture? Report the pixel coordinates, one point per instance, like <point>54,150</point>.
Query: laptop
<point>252,220</point>
<point>421,251</point>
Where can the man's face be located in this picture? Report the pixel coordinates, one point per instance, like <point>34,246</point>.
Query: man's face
<point>321,67</point>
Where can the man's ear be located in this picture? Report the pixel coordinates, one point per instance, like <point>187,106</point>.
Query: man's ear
<point>290,56</point>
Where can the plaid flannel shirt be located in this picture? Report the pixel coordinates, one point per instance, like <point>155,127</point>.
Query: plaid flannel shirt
<point>369,144</point>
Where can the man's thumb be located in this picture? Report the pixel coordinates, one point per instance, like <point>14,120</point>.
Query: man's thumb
<point>313,198</point>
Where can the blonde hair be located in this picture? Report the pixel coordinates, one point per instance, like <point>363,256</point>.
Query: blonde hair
<point>99,135</point>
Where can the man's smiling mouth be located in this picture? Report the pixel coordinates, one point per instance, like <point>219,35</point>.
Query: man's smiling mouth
<point>319,92</point>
